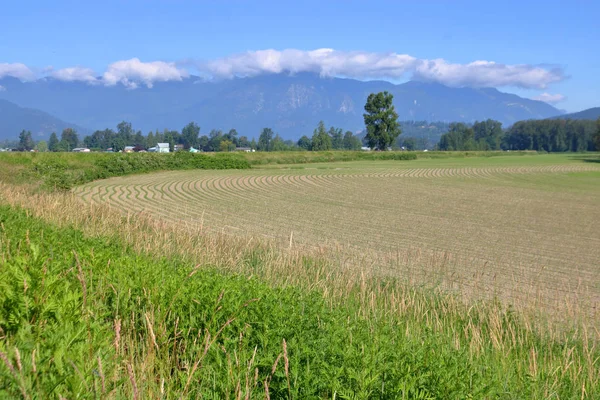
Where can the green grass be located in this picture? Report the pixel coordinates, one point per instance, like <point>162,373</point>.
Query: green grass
<point>90,318</point>
<point>63,171</point>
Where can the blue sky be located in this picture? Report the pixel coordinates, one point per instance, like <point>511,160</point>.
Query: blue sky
<point>547,48</point>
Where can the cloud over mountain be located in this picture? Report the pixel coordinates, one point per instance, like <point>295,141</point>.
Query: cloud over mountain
<point>73,74</point>
<point>361,65</point>
<point>16,70</point>
<point>550,98</point>
<point>133,71</point>
<point>326,62</point>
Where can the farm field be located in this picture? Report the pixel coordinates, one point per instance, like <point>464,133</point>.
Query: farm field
<point>522,228</point>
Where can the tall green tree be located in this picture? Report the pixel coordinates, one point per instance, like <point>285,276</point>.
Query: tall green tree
<point>232,136</point>
<point>139,141</point>
<point>26,140</point>
<point>459,137</point>
<point>171,137</point>
<point>42,146</point>
<point>226,145</point>
<point>321,141</point>
<point>304,143</point>
<point>150,140</point>
<point>381,121</point>
<point>189,135</point>
<point>68,139</point>
<point>278,144</point>
<point>243,141</point>
<point>337,138</point>
<point>215,139</point>
<point>265,140</point>
<point>53,142</point>
<point>351,142</point>
<point>488,134</point>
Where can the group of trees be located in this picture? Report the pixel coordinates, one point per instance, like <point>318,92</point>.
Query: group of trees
<point>324,139</point>
<point>550,135</point>
<point>553,135</point>
<point>68,141</point>
<point>485,135</point>
<point>189,137</point>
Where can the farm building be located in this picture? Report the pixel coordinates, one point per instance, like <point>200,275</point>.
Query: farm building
<point>246,149</point>
<point>162,147</point>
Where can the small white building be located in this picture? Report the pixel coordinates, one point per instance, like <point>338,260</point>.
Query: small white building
<point>162,148</point>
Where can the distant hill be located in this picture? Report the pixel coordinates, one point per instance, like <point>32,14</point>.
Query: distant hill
<point>13,119</point>
<point>590,113</point>
<point>290,104</point>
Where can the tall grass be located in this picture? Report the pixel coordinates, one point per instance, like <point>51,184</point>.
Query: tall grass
<point>95,303</point>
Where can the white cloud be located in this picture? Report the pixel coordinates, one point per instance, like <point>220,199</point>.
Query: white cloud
<point>326,62</point>
<point>133,71</point>
<point>360,64</point>
<point>487,73</point>
<point>16,70</point>
<point>550,98</point>
<point>72,74</point>
<point>2,88</point>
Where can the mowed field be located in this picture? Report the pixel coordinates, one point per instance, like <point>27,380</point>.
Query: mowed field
<point>524,228</point>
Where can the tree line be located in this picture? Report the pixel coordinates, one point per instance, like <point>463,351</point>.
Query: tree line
<point>380,120</point>
<point>382,133</point>
<point>549,135</point>
<point>189,137</point>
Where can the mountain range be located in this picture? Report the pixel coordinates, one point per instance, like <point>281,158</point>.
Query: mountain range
<point>291,105</point>
<point>13,119</point>
<point>590,113</point>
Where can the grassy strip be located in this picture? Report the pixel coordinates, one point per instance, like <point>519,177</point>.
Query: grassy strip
<point>63,171</point>
<point>90,317</point>
<point>303,157</point>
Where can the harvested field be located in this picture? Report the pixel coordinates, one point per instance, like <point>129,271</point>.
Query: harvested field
<point>524,229</point>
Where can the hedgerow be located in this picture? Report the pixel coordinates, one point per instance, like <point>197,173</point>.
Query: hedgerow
<point>57,173</point>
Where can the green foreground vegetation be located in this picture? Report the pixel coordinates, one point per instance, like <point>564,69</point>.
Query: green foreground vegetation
<point>89,318</point>
<point>132,311</point>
